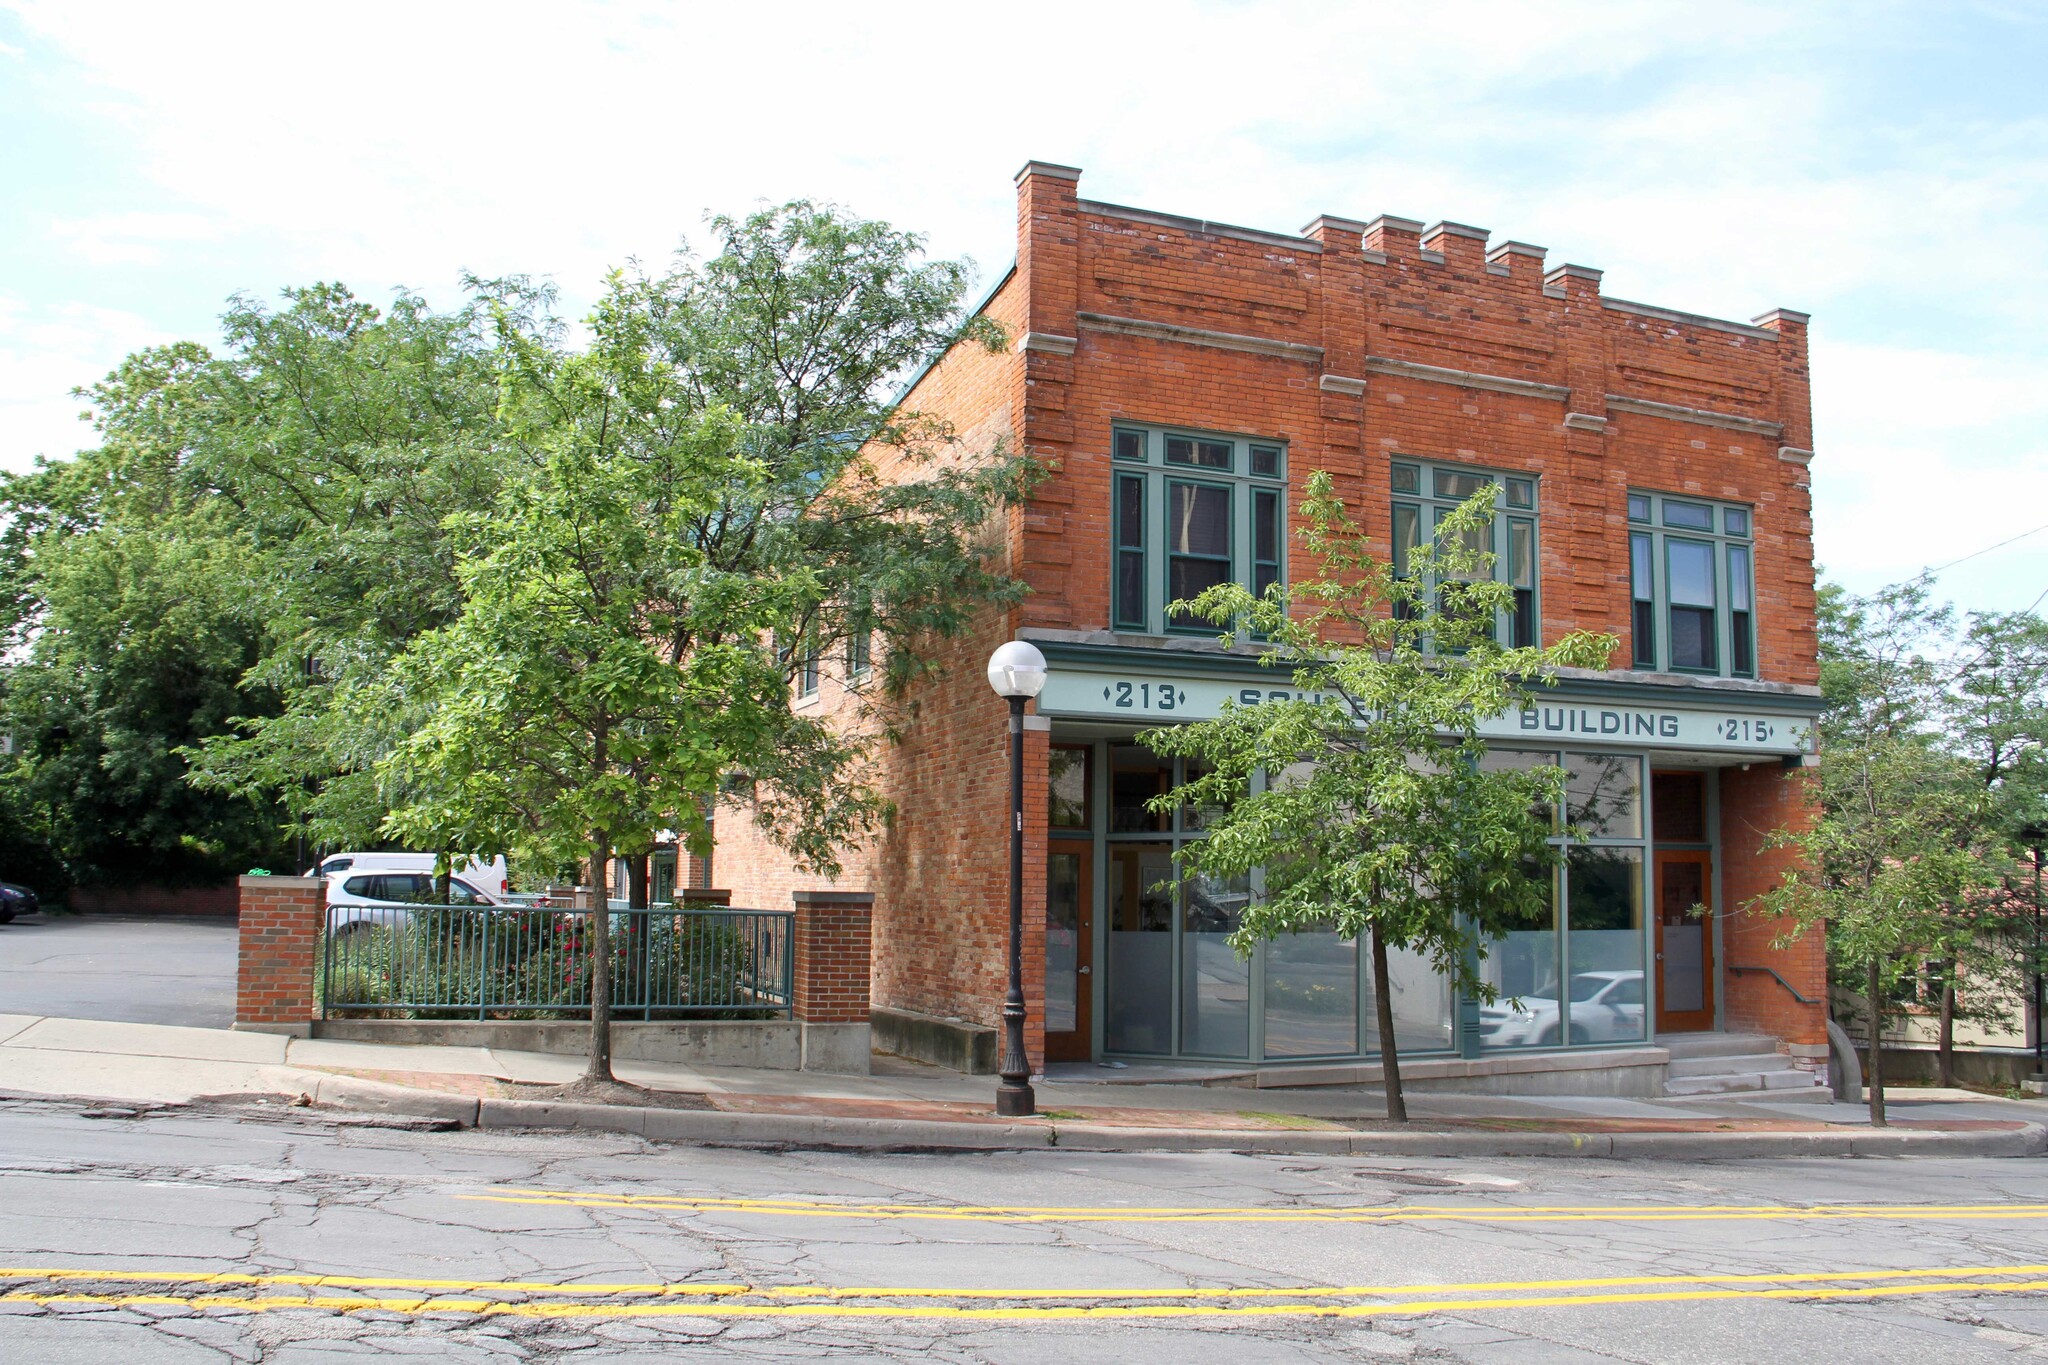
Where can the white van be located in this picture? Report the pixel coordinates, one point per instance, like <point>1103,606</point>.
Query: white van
<point>488,877</point>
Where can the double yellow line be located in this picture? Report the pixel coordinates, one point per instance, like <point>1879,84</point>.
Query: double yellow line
<point>1404,1213</point>
<point>562,1301</point>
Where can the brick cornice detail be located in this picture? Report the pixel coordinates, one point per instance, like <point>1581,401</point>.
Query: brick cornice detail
<point>1672,412</point>
<point>1465,379</point>
<point>1052,343</point>
<point>1794,455</point>
<point>1585,421</point>
<point>1200,336</point>
<point>1337,383</point>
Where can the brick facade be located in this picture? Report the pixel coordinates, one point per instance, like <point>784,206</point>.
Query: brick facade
<point>279,940</point>
<point>1351,342</point>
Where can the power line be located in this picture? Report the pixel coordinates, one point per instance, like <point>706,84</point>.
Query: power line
<point>1939,568</point>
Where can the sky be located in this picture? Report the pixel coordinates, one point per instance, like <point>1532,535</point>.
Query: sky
<point>1882,166</point>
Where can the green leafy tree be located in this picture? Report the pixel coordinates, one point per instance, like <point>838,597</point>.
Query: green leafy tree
<point>718,470</point>
<point>1364,804</point>
<point>1895,846</point>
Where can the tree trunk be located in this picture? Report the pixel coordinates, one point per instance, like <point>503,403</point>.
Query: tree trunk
<point>1945,1045</point>
<point>1875,1080</point>
<point>637,880</point>
<point>1390,1052</point>
<point>600,959</point>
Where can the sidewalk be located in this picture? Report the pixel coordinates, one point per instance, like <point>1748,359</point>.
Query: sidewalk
<point>905,1105</point>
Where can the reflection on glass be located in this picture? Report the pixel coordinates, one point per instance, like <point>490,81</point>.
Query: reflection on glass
<point>1311,994</point>
<point>1692,603</point>
<point>1682,980</point>
<point>1062,941</point>
<point>1136,775</point>
<point>1421,998</point>
<point>1215,1007</point>
<point>1523,967</point>
<point>1605,914</point>
<point>1067,771</point>
<point>1604,795</point>
<point>1139,991</point>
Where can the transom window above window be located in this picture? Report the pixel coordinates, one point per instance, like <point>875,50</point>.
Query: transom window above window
<point>1692,581</point>
<point>1190,510</point>
<point>1425,493</point>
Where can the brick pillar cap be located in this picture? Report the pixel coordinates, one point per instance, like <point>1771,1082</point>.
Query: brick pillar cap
<point>863,898</point>
<point>1048,168</point>
<point>282,883</point>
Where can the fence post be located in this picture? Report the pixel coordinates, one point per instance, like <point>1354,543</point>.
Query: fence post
<point>281,919</point>
<point>831,951</point>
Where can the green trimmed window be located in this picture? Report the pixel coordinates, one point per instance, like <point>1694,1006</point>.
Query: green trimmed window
<point>1692,585</point>
<point>1424,494</point>
<point>1189,510</point>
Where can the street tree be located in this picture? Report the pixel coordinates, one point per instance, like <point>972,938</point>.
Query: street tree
<point>720,489</point>
<point>1892,857</point>
<point>1363,805</point>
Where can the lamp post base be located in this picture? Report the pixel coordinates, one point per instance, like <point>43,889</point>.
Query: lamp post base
<point>1015,1101</point>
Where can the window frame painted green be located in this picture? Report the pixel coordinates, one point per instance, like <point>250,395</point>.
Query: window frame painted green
<point>1521,623</point>
<point>1732,557</point>
<point>1139,456</point>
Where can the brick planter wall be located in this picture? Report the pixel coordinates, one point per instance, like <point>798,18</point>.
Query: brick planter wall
<point>280,937</point>
<point>832,933</point>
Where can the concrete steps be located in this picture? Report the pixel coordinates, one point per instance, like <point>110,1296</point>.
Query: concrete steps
<point>1706,1065</point>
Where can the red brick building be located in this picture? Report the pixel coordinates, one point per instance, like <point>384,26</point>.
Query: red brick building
<point>1182,379</point>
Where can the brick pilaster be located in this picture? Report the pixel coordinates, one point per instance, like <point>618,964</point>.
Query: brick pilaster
<point>832,955</point>
<point>280,939</point>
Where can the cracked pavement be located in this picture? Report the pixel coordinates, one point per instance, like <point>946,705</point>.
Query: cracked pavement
<point>201,1231</point>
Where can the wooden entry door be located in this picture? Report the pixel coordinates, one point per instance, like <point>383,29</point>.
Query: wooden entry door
<point>1685,941</point>
<point>1069,950</point>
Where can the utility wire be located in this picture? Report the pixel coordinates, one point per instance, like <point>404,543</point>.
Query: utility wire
<point>1939,568</point>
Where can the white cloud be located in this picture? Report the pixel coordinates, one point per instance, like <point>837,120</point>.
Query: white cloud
<point>45,352</point>
<point>1721,159</point>
<point>132,238</point>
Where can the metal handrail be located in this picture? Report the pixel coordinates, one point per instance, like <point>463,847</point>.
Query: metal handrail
<point>521,962</point>
<point>1772,972</point>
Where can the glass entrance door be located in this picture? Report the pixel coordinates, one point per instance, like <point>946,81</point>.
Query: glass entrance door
<point>1069,950</point>
<point>1685,941</point>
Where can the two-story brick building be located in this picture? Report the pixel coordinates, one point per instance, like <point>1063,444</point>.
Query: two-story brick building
<point>1182,379</point>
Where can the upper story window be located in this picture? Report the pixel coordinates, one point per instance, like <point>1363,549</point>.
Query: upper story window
<point>1692,578</point>
<point>1190,510</point>
<point>1425,493</point>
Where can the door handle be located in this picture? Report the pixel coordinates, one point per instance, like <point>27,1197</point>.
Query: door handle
<point>1081,971</point>
<point>1660,957</point>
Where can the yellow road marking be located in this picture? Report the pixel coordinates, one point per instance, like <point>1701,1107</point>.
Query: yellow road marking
<point>496,1308</point>
<point>690,1290</point>
<point>1410,1213</point>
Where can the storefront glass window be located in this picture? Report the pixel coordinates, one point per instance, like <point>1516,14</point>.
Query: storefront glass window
<point>1215,981</point>
<point>1136,775</point>
<point>1068,773</point>
<point>1604,796</point>
<point>1140,984</point>
<point>1524,965</point>
<point>1605,916</point>
<point>1422,1004</point>
<point>1311,994</point>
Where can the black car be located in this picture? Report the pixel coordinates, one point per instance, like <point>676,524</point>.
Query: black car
<point>16,900</point>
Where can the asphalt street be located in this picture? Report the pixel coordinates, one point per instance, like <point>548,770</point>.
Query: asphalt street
<point>135,970</point>
<point>293,1236</point>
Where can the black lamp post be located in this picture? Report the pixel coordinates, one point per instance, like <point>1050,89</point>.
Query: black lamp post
<point>1017,672</point>
<point>2038,834</point>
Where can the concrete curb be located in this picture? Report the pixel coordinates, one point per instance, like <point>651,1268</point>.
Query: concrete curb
<point>814,1131</point>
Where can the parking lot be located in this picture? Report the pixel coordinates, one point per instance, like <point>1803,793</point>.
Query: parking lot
<point>141,971</point>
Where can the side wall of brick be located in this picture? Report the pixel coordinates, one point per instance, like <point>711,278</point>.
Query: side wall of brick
<point>1755,802</point>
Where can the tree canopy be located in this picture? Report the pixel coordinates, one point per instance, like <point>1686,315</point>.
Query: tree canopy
<point>1363,805</point>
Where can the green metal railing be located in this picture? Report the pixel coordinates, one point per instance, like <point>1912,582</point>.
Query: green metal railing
<point>527,962</point>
